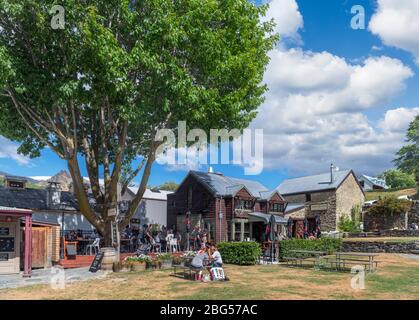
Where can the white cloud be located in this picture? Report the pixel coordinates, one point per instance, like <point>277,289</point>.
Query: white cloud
<point>396,23</point>
<point>313,112</point>
<point>287,17</point>
<point>9,150</point>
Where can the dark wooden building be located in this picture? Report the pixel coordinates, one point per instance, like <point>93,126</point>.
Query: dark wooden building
<point>230,209</point>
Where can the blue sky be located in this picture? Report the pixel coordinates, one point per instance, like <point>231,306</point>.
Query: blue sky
<point>366,81</point>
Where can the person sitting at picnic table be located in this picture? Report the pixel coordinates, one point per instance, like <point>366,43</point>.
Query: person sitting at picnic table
<point>198,260</point>
<point>216,260</point>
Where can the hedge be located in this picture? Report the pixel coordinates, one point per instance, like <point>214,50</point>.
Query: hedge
<point>328,245</point>
<point>241,253</point>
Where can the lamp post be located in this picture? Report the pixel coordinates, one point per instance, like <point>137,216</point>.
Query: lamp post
<point>62,236</point>
<point>220,217</point>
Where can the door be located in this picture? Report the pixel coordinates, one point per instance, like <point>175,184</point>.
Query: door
<point>39,247</point>
<point>9,247</point>
<point>299,229</point>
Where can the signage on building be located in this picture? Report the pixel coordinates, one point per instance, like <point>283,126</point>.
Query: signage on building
<point>318,207</point>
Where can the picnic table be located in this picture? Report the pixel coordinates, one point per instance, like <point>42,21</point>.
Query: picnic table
<point>187,267</point>
<point>365,259</point>
<point>305,255</point>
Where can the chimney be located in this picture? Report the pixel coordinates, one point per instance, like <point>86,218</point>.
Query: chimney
<point>53,194</point>
<point>331,173</point>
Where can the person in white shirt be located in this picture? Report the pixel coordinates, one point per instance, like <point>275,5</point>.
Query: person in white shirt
<point>217,261</point>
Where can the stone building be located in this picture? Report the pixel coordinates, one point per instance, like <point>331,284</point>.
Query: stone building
<point>328,196</point>
<point>230,209</point>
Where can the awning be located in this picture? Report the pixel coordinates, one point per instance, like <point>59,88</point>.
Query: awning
<point>265,217</point>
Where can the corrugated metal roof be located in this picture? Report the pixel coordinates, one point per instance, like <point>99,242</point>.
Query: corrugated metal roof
<point>266,217</point>
<point>35,199</point>
<point>375,181</point>
<point>222,185</point>
<point>312,183</point>
<point>17,210</point>
<point>293,206</point>
<point>152,194</point>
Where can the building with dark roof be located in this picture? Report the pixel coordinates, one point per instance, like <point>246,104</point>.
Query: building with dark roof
<point>48,205</point>
<point>230,209</point>
<point>327,196</point>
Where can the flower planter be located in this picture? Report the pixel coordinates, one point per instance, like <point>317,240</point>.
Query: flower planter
<point>125,268</point>
<point>166,264</point>
<point>138,266</point>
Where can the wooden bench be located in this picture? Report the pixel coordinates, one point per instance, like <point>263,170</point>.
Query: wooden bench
<point>293,261</point>
<point>186,270</point>
<point>353,262</point>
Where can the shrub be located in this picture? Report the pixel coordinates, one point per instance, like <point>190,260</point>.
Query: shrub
<point>348,225</point>
<point>328,245</point>
<point>241,253</point>
<point>390,205</point>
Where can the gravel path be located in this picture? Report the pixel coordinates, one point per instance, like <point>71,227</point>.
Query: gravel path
<point>47,276</point>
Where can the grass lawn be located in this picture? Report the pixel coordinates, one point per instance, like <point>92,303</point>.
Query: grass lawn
<point>383,239</point>
<point>375,195</point>
<point>397,278</point>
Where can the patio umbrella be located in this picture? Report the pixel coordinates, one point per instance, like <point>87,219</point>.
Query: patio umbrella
<point>318,222</point>
<point>289,227</point>
<point>305,228</point>
<point>272,225</point>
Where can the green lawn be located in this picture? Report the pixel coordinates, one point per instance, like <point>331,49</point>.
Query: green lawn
<point>397,278</point>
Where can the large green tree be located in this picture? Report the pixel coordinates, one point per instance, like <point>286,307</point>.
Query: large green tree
<point>399,179</point>
<point>408,156</point>
<point>99,89</point>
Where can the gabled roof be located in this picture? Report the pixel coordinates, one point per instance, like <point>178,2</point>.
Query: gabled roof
<point>34,199</point>
<point>313,183</point>
<point>220,185</point>
<point>152,194</point>
<point>375,181</point>
<point>266,195</point>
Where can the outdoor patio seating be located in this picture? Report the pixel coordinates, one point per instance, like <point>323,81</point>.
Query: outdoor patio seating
<point>95,246</point>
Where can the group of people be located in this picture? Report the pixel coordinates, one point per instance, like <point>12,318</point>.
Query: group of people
<point>207,253</point>
<point>151,235</point>
<point>198,238</point>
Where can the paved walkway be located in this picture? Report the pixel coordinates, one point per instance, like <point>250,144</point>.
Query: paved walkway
<point>47,276</point>
<point>411,256</point>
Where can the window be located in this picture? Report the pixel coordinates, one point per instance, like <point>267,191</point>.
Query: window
<point>308,197</point>
<point>277,207</point>
<point>244,204</point>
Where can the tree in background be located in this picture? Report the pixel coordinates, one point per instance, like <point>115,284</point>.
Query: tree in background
<point>408,156</point>
<point>399,179</point>
<point>99,89</point>
<point>168,186</point>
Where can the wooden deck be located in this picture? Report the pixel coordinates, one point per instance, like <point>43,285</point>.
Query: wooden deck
<point>84,261</point>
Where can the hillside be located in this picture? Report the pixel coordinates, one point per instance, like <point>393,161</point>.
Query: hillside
<point>374,195</point>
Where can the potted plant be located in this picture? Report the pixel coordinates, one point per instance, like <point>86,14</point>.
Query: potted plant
<point>153,263</point>
<point>138,263</point>
<point>165,260</point>
<point>178,260</point>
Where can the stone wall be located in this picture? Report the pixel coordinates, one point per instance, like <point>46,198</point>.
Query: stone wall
<point>414,213</point>
<point>379,222</point>
<point>348,196</point>
<point>322,203</point>
<point>379,246</point>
